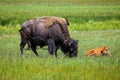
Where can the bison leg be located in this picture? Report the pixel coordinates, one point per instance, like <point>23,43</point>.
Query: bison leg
<point>22,45</point>
<point>51,47</point>
<point>56,50</point>
<point>29,45</point>
<point>33,47</point>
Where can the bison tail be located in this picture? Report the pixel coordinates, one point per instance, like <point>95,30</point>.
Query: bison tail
<point>24,34</point>
<point>67,21</point>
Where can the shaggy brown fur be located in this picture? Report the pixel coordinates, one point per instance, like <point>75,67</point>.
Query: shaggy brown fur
<point>47,22</point>
<point>50,20</point>
<point>104,50</point>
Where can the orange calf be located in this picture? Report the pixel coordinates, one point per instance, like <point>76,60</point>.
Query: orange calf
<point>104,50</point>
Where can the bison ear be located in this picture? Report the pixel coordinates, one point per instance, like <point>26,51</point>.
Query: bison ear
<point>77,41</point>
<point>102,53</point>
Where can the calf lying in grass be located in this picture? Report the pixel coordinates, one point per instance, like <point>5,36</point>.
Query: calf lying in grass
<point>104,50</point>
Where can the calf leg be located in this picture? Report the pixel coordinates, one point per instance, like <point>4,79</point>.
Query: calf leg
<point>51,47</point>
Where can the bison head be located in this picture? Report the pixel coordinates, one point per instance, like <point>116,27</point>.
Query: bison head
<point>70,48</point>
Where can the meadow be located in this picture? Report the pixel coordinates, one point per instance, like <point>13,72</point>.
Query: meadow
<point>13,67</point>
<point>93,22</point>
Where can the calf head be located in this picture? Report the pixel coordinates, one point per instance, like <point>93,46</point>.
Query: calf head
<point>105,50</point>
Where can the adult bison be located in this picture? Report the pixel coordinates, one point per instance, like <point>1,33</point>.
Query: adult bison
<point>51,31</point>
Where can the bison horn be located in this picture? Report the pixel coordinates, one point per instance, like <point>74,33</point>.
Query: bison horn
<point>71,42</point>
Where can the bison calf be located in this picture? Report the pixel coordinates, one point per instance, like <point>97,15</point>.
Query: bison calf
<point>104,50</point>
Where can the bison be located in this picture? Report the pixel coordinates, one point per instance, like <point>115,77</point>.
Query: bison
<point>37,32</point>
<point>104,50</point>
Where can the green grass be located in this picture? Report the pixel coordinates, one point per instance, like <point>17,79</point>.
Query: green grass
<point>13,67</point>
<point>61,2</point>
<point>88,26</point>
<point>93,22</point>
<point>82,15</point>
<point>21,11</point>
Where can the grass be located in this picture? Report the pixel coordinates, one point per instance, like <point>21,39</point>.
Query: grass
<point>13,67</point>
<point>88,26</point>
<point>61,2</point>
<point>93,22</point>
<point>17,14</point>
<point>84,16</point>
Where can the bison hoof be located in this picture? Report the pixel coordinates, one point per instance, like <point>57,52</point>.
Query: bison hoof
<point>22,56</point>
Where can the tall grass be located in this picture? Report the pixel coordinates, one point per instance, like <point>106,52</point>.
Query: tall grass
<point>13,67</point>
<point>93,22</point>
<point>80,17</point>
<point>61,2</point>
<point>88,26</point>
<point>17,14</point>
